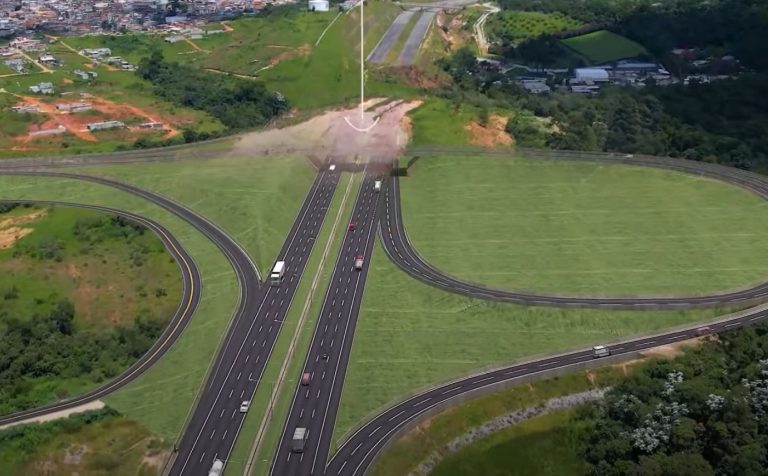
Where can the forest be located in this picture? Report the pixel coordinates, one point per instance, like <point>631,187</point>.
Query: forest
<point>703,413</point>
<point>724,121</point>
<point>237,103</point>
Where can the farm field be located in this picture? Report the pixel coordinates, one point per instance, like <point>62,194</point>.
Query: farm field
<point>50,255</point>
<point>580,228</point>
<point>518,26</point>
<point>603,47</point>
<point>411,335</point>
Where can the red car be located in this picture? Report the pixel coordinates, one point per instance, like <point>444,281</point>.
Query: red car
<point>352,226</point>
<point>305,378</point>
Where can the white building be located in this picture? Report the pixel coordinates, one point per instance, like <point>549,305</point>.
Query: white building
<point>319,5</point>
<point>590,75</point>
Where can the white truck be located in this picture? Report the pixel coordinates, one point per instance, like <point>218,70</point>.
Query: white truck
<point>276,277</point>
<point>377,185</point>
<point>600,351</point>
<point>299,438</point>
<point>216,468</point>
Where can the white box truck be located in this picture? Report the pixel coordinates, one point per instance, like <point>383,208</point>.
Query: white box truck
<point>299,437</point>
<point>600,351</point>
<point>276,277</point>
<point>216,468</point>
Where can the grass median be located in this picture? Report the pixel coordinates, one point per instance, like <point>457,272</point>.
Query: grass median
<point>410,336</point>
<point>278,412</point>
<point>581,228</point>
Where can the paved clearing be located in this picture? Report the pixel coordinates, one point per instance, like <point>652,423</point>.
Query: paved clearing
<point>583,228</point>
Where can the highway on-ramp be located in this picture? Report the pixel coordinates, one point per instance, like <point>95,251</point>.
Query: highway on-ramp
<point>402,252</point>
<point>315,405</point>
<point>190,298</point>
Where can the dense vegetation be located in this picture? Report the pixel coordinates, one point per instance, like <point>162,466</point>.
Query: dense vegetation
<point>237,103</point>
<point>705,413</point>
<point>47,352</point>
<point>724,121</point>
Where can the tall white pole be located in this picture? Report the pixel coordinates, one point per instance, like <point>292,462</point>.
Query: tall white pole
<point>362,65</point>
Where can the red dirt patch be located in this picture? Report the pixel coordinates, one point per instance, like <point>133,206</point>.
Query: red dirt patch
<point>491,135</point>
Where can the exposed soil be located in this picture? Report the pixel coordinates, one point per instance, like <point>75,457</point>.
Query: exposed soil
<point>330,137</point>
<point>9,236</point>
<point>491,135</point>
<point>97,405</point>
<point>22,219</point>
<point>416,77</point>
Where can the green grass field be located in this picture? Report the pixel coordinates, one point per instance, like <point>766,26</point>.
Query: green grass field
<point>584,228</point>
<point>603,46</point>
<point>518,26</point>
<point>412,448</point>
<point>254,198</point>
<point>439,122</point>
<point>544,446</point>
<point>411,335</point>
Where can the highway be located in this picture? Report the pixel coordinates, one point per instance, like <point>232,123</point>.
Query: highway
<point>413,43</point>
<point>357,453</point>
<point>315,405</point>
<point>380,52</point>
<point>190,298</point>
<point>401,252</point>
<point>217,420</point>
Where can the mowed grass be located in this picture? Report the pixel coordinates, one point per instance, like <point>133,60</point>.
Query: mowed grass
<point>517,26</point>
<point>604,46</point>
<point>543,446</point>
<point>439,122</point>
<point>255,199</point>
<point>582,228</point>
<point>411,335</point>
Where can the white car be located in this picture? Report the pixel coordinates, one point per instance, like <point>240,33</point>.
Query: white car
<point>332,167</point>
<point>245,406</point>
<point>600,351</point>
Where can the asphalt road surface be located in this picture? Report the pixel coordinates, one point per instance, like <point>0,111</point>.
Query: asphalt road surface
<point>380,52</point>
<point>401,251</point>
<point>413,43</point>
<point>217,419</point>
<point>315,405</point>
<point>190,298</point>
<point>357,453</point>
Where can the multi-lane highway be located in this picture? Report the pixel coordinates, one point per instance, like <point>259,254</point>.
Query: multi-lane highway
<point>190,297</point>
<point>217,419</point>
<point>401,251</point>
<point>380,52</point>
<point>315,404</point>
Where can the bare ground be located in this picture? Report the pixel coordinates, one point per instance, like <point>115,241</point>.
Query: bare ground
<point>97,405</point>
<point>491,135</point>
<point>332,137</point>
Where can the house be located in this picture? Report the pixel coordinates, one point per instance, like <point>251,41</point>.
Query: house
<point>42,88</point>
<point>96,52</point>
<point>74,107</point>
<point>15,64</point>
<point>24,108</point>
<point>173,38</point>
<point>27,44</point>
<point>101,126</point>
<point>48,59</point>
<point>318,5</point>
<point>535,86</point>
<point>81,74</point>
<point>151,125</point>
